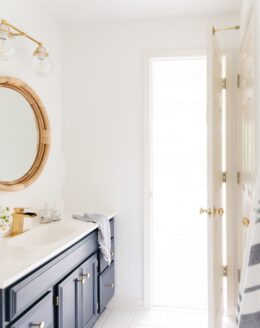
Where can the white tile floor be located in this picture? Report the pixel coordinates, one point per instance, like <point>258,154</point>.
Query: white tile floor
<point>123,318</point>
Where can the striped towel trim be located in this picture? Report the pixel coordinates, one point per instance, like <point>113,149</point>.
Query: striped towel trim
<point>251,320</point>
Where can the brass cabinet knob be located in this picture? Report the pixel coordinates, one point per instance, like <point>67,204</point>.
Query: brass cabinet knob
<point>246,221</point>
<point>87,275</point>
<point>82,280</point>
<point>39,325</point>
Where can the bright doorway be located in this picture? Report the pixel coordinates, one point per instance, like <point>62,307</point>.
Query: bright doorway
<point>177,180</point>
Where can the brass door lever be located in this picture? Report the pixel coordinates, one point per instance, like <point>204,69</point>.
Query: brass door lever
<point>212,211</point>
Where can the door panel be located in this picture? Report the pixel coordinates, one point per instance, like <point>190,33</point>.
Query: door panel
<point>107,286</point>
<point>89,292</point>
<point>69,302</point>
<point>214,123</point>
<point>246,133</point>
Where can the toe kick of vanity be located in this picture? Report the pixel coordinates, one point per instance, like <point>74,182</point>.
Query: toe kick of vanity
<point>70,290</point>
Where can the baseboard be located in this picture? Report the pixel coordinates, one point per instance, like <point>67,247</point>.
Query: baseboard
<point>126,303</point>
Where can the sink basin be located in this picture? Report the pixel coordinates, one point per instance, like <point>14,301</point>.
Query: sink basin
<point>41,236</point>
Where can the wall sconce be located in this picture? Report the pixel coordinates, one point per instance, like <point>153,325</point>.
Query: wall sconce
<point>41,60</point>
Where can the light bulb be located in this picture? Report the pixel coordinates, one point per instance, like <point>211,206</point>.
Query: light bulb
<point>7,48</point>
<point>41,62</point>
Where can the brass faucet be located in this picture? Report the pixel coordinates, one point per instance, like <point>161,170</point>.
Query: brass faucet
<point>18,220</point>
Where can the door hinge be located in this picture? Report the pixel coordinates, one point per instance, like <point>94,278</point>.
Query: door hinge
<point>56,301</point>
<point>238,177</point>
<point>224,177</point>
<point>238,81</point>
<point>224,83</point>
<point>238,275</point>
<point>225,271</point>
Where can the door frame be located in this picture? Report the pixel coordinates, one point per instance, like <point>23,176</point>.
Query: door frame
<point>147,184</point>
<point>231,176</point>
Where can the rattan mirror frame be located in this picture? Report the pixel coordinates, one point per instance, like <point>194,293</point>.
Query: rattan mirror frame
<point>44,134</point>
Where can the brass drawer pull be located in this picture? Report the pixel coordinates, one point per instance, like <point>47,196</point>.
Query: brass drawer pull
<point>110,285</point>
<point>39,325</point>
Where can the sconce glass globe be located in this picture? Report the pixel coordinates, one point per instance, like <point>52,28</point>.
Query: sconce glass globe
<point>42,64</point>
<point>7,48</point>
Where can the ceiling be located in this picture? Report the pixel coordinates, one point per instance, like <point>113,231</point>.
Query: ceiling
<point>109,10</point>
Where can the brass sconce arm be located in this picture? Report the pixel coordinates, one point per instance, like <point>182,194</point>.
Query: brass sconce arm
<point>19,32</point>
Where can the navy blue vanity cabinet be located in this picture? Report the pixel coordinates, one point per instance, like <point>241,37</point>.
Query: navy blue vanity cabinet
<point>68,291</point>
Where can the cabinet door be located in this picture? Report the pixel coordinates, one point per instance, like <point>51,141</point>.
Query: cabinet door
<point>69,301</point>
<point>106,287</point>
<point>89,292</point>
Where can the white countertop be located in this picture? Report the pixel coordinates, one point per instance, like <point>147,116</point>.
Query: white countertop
<point>21,254</point>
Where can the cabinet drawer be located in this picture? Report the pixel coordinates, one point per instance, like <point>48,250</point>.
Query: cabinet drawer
<point>23,294</point>
<point>40,314</point>
<point>106,286</point>
<point>102,263</point>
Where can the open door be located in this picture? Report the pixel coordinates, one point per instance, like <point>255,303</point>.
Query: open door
<point>246,134</point>
<point>214,171</point>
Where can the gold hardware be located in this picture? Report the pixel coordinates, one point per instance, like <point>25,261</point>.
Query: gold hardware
<point>206,211</point>
<point>19,32</point>
<point>246,221</point>
<point>238,81</point>
<point>82,280</point>
<point>18,220</point>
<point>224,83</point>
<point>87,275</point>
<point>39,325</point>
<point>229,28</point>
<point>212,212</point>
<point>13,31</point>
<point>224,177</point>
<point>219,211</point>
<point>110,285</point>
<point>225,271</point>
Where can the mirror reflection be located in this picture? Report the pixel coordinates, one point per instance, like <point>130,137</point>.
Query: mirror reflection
<point>19,136</point>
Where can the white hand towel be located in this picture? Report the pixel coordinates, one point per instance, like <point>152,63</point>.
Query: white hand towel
<point>104,233</point>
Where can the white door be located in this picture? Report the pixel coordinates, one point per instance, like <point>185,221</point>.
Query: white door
<point>246,134</point>
<point>214,125</point>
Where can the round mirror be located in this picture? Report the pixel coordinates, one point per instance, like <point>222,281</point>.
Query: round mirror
<point>24,134</point>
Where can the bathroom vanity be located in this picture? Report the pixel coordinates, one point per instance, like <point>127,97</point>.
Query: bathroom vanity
<point>55,276</point>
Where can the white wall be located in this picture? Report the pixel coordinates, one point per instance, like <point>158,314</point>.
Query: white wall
<point>102,123</point>
<point>33,20</point>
